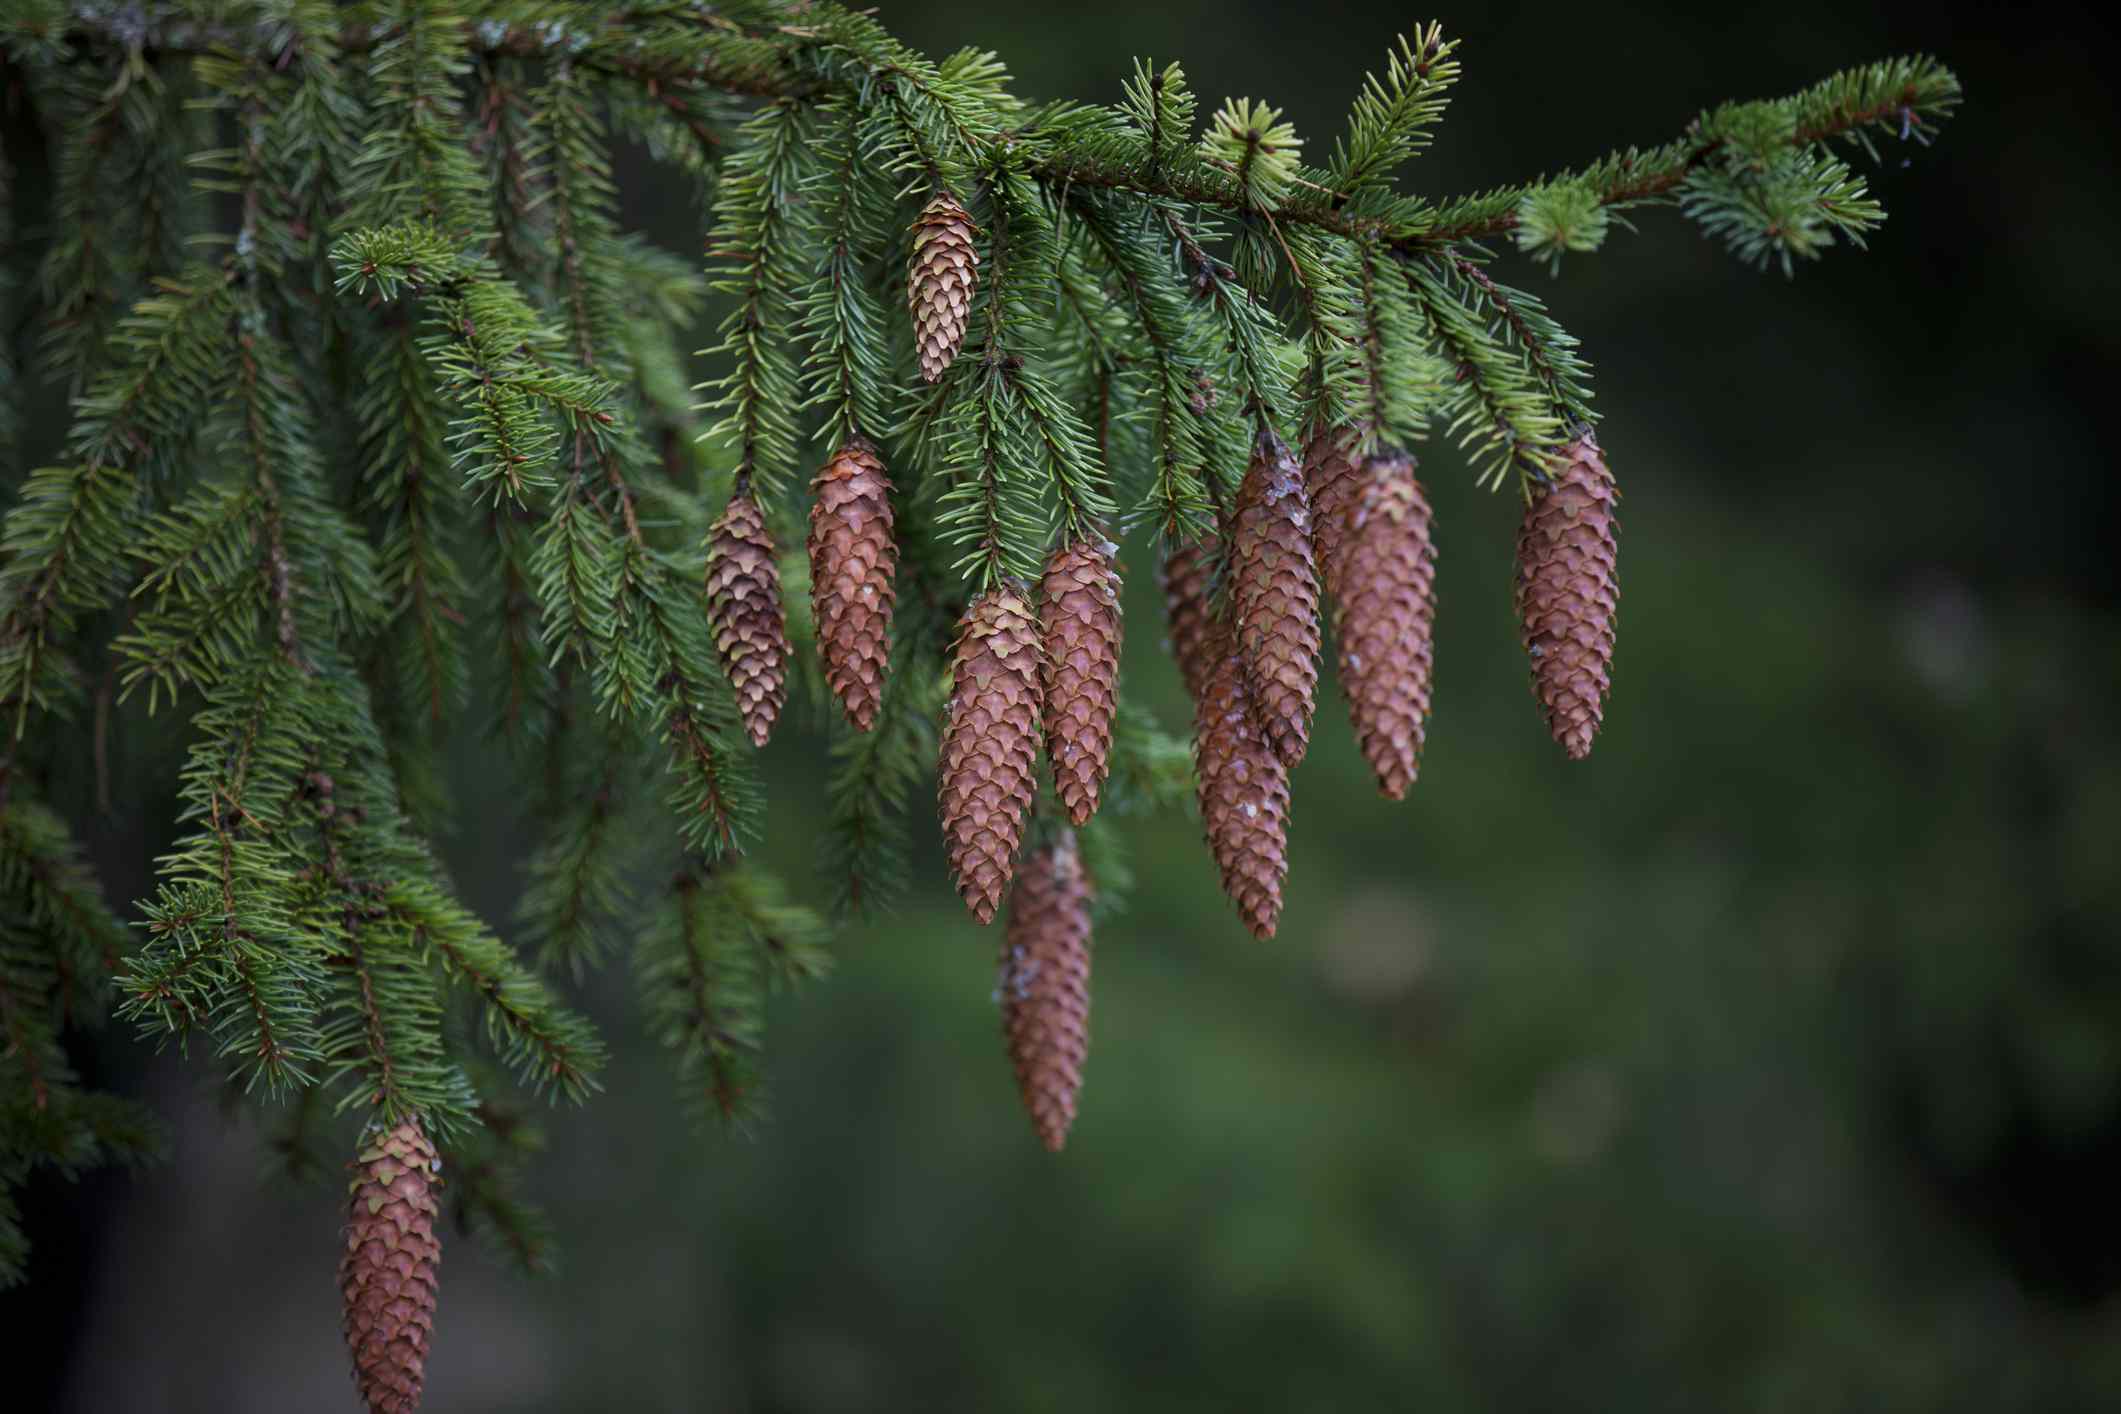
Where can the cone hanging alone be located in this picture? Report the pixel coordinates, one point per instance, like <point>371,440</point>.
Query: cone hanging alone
<point>853,562</point>
<point>387,1275</point>
<point>1244,792</point>
<point>1384,618</point>
<point>1045,985</point>
<point>1187,602</point>
<point>1333,482</point>
<point>1568,595</point>
<point>990,746</point>
<point>939,281</point>
<point>744,609</point>
<point>1079,619</point>
<point>1274,596</point>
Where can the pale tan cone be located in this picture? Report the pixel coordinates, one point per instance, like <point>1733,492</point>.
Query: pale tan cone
<point>853,570</point>
<point>939,281</point>
<point>987,774</point>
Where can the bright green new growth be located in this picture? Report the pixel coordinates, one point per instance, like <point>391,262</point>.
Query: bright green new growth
<point>381,425</point>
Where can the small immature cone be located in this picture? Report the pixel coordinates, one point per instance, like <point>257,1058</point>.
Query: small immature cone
<point>1274,596</point>
<point>1333,481</point>
<point>988,771</point>
<point>1568,595</point>
<point>853,561</point>
<point>744,610</point>
<point>1045,985</point>
<point>387,1275</point>
<point>1187,605</point>
<point>1384,619</point>
<point>939,281</point>
<point>1080,626</point>
<point>1244,792</point>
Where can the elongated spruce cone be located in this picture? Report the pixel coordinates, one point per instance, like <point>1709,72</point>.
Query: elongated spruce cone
<point>744,610</point>
<point>1244,792</point>
<point>987,775</point>
<point>1333,481</point>
<point>1188,604</point>
<point>387,1275</point>
<point>1384,619</point>
<point>1080,624</point>
<point>1045,985</point>
<point>853,565</point>
<point>1568,595</point>
<point>1274,597</point>
<point>939,281</point>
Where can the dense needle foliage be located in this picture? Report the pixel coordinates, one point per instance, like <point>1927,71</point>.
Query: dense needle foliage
<point>382,426</point>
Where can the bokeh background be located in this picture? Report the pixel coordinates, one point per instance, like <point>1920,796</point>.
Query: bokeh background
<point>1769,1060</point>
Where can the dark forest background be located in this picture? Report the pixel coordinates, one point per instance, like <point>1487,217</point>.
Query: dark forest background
<point>1769,1060</point>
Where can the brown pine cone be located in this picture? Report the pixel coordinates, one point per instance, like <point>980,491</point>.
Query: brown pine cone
<point>939,281</point>
<point>1568,595</point>
<point>1188,603</point>
<point>1333,482</point>
<point>744,610</point>
<point>1274,597</point>
<point>1244,792</point>
<point>387,1275</point>
<point>1080,627</point>
<point>853,561</point>
<point>988,771</point>
<point>1045,985</point>
<point>1384,619</point>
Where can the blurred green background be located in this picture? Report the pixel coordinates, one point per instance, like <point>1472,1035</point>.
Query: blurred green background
<point>1770,1060</point>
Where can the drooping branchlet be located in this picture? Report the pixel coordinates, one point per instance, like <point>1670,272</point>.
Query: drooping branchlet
<point>387,1274</point>
<point>1044,984</point>
<point>853,568</point>
<point>1080,622</point>
<point>744,609</point>
<point>1384,618</point>
<point>987,774</point>
<point>1568,594</point>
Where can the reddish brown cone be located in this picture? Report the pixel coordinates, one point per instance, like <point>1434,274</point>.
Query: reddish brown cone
<point>853,561</point>
<point>1244,792</point>
<point>939,281</point>
<point>1187,605</point>
<point>1568,595</point>
<point>387,1275</point>
<point>1333,481</point>
<point>1080,631</point>
<point>744,610</point>
<point>987,775</point>
<point>1274,597</point>
<point>1045,985</point>
<point>1384,619</point>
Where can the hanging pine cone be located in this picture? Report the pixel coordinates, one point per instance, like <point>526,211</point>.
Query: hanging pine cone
<point>1080,628</point>
<point>1567,594</point>
<point>1188,591</point>
<point>1045,985</point>
<point>939,281</point>
<point>1244,792</point>
<point>989,760</point>
<point>1384,618</point>
<point>1333,482</point>
<point>387,1275</point>
<point>1274,596</point>
<point>744,609</point>
<point>853,560</point>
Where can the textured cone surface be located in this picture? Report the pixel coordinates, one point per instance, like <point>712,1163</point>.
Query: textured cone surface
<point>1384,619</point>
<point>744,609</point>
<point>1045,985</point>
<point>939,282</point>
<point>1079,619</point>
<point>387,1276</point>
<point>1244,793</point>
<point>1187,590</point>
<point>1333,481</point>
<point>1568,594</point>
<point>988,772</point>
<point>1274,596</point>
<point>853,563</point>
